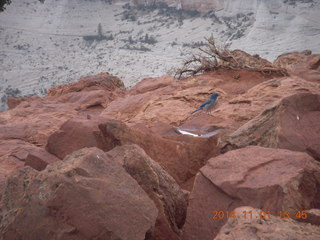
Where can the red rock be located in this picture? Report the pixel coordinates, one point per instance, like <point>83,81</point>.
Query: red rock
<point>15,154</point>
<point>38,159</point>
<point>159,103</point>
<point>160,187</point>
<point>152,84</point>
<point>107,134</point>
<point>268,228</point>
<point>93,92</point>
<point>12,102</point>
<point>313,217</point>
<point>165,101</point>
<point>87,196</point>
<point>303,64</point>
<point>292,123</point>
<point>75,134</point>
<point>34,119</point>
<point>102,81</point>
<point>272,179</point>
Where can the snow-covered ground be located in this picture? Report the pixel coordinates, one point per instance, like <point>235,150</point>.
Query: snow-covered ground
<point>46,44</point>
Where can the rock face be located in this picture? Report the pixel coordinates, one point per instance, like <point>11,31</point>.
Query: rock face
<point>268,228</point>
<point>292,123</point>
<point>89,92</point>
<point>157,103</point>
<point>15,154</point>
<point>271,179</point>
<point>34,119</point>
<point>87,196</point>
<point>107,134</point>
<point>128,184</point>
<point>303,64</point>
<point>160,187</point>
<point>75,134</point>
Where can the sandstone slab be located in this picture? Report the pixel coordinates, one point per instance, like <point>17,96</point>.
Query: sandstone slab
<point>292,123</point>
<point>88,92</point>
<point>34,119</point>
<point>181,157</point>
<point>270,179</point>
<point>303,64</point>
<point>160,187</point>
<point>15,154</point>
<point>87,196</point>
<point>168,102</point>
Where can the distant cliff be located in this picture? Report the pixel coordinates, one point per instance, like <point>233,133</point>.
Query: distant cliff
<point>201,5</point>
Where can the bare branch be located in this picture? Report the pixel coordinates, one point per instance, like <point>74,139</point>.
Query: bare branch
<point>213,57</point>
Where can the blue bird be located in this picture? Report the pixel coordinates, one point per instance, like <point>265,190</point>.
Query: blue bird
<point>209,104</point>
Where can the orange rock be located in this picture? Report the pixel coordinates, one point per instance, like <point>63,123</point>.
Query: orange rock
<point>160,187</point>
<point>181,157</point>
<point>15,154</point>
<point>86,196</point>
<point>89,92</point>
<point>303,64</point>
<point>292,123</point>
<point>272,179</point>
<point>34,119</point>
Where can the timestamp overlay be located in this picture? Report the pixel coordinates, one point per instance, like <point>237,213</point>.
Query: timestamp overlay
<point>219,214</point>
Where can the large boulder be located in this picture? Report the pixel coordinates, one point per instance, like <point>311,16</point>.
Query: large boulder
<point>33,119</point>
<point>75,134</point>
<point>181,158</point>
<point>270,179</point>
<point>269,227</point>
<point>15,154</point>
<point>292,123</point>
<point>87,196</point>
<point>160,187</point>
<point>303,64</point>
<point>89,92</point>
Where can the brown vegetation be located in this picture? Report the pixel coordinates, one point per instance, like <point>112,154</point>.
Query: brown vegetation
<point>212,58</point>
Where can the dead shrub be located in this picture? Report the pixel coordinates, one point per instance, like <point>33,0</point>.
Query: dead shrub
<point>212,57</point>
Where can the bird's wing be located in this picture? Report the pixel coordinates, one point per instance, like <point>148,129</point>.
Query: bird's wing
<point>205,103</point>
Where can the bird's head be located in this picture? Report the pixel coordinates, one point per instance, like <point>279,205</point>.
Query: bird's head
<point>214,96</point>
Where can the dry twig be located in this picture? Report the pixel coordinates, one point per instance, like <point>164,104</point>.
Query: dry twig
<point>213,57</point>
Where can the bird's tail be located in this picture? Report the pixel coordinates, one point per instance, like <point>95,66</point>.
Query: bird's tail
<point>198,109</point>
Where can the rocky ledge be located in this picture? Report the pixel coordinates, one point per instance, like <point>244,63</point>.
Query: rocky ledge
<point>92,160</point>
